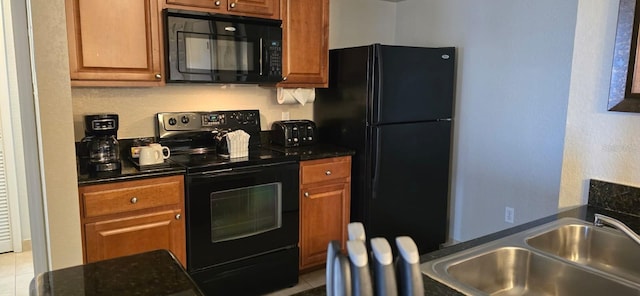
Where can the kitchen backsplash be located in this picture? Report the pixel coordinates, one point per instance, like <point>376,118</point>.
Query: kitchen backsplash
<point>614,197</point>
<point>137,107</point>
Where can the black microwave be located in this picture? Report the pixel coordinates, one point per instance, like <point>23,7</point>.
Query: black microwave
<point>216,48</point>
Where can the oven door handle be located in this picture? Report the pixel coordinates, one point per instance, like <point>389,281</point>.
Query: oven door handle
<point>237,171</point>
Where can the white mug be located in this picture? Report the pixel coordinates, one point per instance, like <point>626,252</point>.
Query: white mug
<point>164,150</point>
<point>151,155</point>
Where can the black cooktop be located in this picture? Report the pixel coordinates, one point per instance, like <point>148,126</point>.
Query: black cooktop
<point>211,161</point>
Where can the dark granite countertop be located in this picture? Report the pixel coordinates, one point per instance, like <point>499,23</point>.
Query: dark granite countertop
<point>153,273</point>
<point>317,151</point>
<point>131,172</point>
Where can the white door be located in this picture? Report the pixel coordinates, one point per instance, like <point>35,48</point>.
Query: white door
<point>6,243</point>
<point>7,162</point>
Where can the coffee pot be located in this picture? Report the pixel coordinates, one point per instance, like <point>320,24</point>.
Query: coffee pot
<point>101,151</point>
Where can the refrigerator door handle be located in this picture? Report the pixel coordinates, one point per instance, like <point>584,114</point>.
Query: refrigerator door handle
<point>377,83</point>
<point>376,162</point>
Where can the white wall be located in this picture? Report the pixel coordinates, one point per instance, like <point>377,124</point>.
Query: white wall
<point>599,144</point>
<point>514,68</point>
<point>361,22</point>
<point>53,103</point>
<point>136,107</point>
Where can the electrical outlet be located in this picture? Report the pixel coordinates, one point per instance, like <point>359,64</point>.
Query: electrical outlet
<point>285,115</point>
<point>509,214</point>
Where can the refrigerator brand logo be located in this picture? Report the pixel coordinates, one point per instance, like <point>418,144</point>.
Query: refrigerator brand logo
<point>445,56</point>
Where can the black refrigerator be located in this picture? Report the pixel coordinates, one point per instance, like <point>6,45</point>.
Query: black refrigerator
<point>393,106</point>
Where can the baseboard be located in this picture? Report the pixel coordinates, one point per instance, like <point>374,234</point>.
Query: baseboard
<point>448,243</point>
<point>26,245</point>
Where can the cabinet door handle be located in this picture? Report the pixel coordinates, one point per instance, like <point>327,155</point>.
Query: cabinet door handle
<point>284,78</point>
<point>178,216</point>
<point>134,200</point>
<point>217,3</point>
<point>328,173</point>
<point>306,194</point>
<point>232,5</point>
<point>158,76</point>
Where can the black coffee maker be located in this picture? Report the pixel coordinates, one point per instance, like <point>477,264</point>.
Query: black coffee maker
<point>99,151</point>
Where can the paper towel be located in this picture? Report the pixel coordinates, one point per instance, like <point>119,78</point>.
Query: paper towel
<point>296,95</point>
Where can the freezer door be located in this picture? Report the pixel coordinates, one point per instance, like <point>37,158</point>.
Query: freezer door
<point>410,182</point>
<point>412,84</point>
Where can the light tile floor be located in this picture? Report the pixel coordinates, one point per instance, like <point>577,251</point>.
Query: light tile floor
<point>306,281</point>
<point>16,272</point>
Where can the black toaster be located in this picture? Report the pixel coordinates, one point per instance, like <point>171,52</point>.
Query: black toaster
<point>291,133</point>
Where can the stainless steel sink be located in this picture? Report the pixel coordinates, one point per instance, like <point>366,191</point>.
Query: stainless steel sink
<point>565,257</point>
<point>599,248</point>
<point>517,271</point>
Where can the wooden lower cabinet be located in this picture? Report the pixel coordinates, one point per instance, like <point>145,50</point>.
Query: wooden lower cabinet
<point>138,234</point>
<point>325,195</point>
<point>147,215</point>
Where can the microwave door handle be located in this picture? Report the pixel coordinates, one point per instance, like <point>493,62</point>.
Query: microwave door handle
<point>261,53</point>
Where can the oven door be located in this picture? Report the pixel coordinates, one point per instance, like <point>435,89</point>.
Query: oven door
<point>241,212</point>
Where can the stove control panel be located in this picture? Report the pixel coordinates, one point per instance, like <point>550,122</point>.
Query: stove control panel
<point>213,119</point>
<point>177,123</point>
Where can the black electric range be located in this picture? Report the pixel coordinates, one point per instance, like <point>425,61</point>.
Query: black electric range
<point>242,213</point>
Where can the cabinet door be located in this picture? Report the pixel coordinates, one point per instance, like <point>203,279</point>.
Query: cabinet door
<point>138,234</point>
<point>212,4</point>
<point>305,38</point>
<point>324,211</point>
<point>258,8</point>
<point>114,42</point>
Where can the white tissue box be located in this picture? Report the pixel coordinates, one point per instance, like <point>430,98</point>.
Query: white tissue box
<point>238,144</point>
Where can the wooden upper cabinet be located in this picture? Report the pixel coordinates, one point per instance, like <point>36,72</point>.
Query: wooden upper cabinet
<point>305,38</point>
<point>209,4</point>
<point>260,8</point>
<point>114,42</point>
<point>256,8</point>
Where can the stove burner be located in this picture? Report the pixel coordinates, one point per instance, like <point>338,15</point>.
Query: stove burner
<point>201,150</point>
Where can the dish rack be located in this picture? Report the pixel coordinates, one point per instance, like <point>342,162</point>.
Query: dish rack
<point>356,271</point>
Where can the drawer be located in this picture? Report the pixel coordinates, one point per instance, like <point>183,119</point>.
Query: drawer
<point>129,196</point>
<point>314,171</point>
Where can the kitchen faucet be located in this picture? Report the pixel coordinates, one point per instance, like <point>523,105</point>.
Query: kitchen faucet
<point>601,220</point>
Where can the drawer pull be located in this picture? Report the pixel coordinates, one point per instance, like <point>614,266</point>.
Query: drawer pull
<point>178,216</point>
<point>134,200</point>
<point>306,194</point>
<point>328,173</point>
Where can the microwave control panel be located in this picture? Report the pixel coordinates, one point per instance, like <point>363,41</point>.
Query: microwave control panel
<point>275,58</point>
